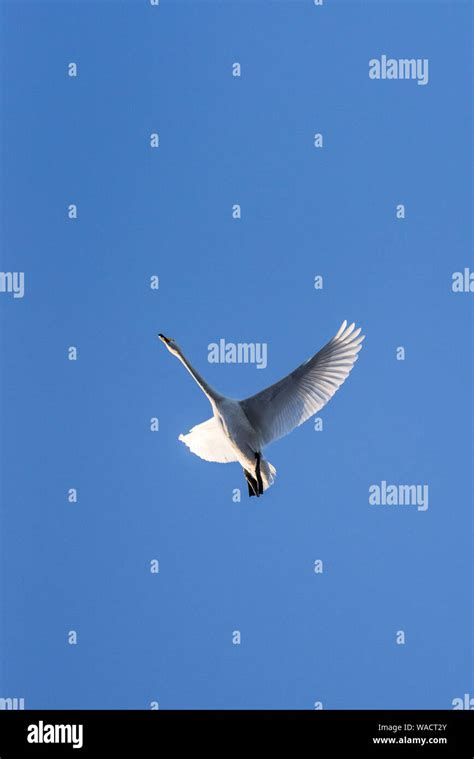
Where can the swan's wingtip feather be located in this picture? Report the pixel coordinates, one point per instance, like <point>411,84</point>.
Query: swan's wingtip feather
<point>341,329</point>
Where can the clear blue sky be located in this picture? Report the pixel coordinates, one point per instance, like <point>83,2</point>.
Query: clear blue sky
<point>228,566</point>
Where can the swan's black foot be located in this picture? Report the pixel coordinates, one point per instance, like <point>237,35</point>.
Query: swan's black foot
<point>258,473</point>
<point>252,484</point>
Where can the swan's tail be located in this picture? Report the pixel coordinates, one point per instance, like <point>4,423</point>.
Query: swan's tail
<point>263,477</point>
<point>268,473</point>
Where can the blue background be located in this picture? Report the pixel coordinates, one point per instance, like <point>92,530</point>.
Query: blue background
<point>228,566</point>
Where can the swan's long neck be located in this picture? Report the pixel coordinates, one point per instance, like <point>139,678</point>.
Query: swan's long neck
<point>212,395</point>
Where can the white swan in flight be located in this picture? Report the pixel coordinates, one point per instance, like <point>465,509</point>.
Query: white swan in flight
<point>238,430</point>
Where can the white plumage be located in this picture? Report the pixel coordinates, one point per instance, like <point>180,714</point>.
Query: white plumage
<point>238,430</point>
<point>208,441</point>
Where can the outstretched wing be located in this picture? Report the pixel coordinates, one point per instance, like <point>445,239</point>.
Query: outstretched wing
<point>280,408</point>
<point>208,442</point>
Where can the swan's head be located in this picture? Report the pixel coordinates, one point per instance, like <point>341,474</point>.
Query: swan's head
<point>170,344</point>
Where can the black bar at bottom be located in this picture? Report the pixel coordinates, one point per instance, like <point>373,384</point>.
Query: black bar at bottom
<point>154,733</point>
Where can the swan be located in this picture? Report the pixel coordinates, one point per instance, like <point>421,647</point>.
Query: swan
<point>239,430</point>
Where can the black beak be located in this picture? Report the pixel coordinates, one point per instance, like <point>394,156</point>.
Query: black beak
<point>163,338</point>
